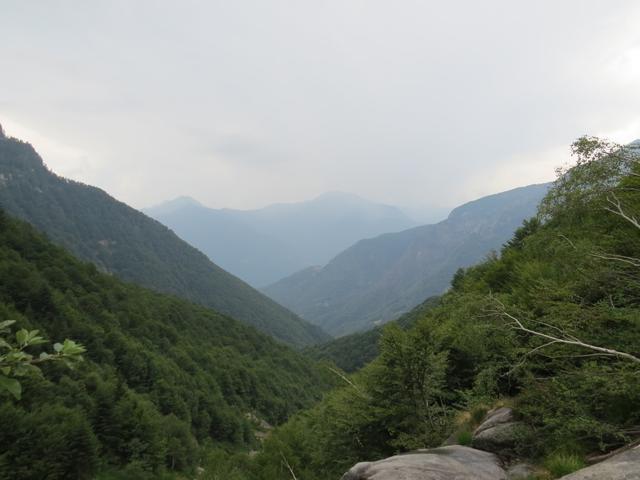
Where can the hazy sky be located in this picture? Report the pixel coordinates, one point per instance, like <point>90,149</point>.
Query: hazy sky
<point>244,103</point>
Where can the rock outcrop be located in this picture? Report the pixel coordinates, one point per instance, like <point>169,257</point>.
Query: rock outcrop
<point>499,433</point>
<point>521,471</point>
<point>491,458</point>
<point>624,466</point>
<point>444,463</point>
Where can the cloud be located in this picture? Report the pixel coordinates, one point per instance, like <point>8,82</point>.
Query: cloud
<point>245,103</point>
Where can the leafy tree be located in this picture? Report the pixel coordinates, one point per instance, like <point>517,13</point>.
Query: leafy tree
<point>570,274</point>
<point>16,362</point>
<point>162,379</point>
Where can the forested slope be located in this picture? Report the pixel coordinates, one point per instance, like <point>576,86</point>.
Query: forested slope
<point>163,382</point>
<point>378,279</point>
<point>354,351</point>
<point>570,274</point>
<point>125,242</point>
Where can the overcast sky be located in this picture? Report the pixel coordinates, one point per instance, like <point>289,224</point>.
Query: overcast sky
<point>245,103</point>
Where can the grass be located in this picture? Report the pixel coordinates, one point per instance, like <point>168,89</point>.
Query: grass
<point>560,464</point>
<point>464,438</point>
<point>478,413</point>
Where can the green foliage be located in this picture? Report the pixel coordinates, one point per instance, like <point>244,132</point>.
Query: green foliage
<point>219,464</point>
<point>378,279</point>
<point>16,362</point>
<point>161,377</point>
<point>464,438</point>
<point>570,272</point>
<point>560,464</point>
<point>122,241</point>
<point>399,402</point>
<point>46,441</point>
<point>352,352</point>
<point>160,370</point>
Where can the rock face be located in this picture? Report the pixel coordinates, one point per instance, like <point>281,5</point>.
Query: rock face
<point>444,463</point>
<point>496,417</point>
<point>499,432</point>
<point>521,471</point>
<point>624,466</point>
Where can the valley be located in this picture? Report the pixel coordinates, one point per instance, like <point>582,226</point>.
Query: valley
<point>336,240</point>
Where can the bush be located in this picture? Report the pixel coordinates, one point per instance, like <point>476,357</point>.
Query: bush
<point>464,438</point>
<point>560,464</point>
<point>478,413</point>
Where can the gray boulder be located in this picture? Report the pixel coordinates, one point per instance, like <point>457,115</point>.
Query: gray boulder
<point>496,417</point>
<point>501,439</point>
<point>521,471</point>
<point>445,463</point>
<point>624,466</point>
<point>499,433</point>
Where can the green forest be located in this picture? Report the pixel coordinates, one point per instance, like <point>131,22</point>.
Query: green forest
<point>548,325</point>
<point>123,241</point>
<point>571,273</point>
<point>163,381</point>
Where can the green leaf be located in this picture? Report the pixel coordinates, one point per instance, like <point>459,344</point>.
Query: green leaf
<point>72,348</point>
<point>6,323</point>
<point>57,347</point>
<point>33,338</point>
<point>4,343</point>
<point>36,341</point>
<point>21,336</point>
<point>11,385</point>
<point>23,369</point>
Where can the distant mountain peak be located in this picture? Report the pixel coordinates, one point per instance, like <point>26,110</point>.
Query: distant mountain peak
<point>184,200</point>
<point>177,203</point>
<point>380,278</point>
<point>338,195</point>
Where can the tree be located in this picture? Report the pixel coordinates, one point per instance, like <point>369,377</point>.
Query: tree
<point>605,175</point>
<point>15,362</point>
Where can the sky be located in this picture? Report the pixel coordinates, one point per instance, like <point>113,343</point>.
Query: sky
<point>245,103</point>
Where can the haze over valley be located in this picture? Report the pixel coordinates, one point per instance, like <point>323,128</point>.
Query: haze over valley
<point>337,240</point>
<point>262,246</point>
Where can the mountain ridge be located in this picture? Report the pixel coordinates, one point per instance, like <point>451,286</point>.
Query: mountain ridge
<point>380,278</point>
<point>163,379</point>
<point>123,241</point>
<point>265,244</point>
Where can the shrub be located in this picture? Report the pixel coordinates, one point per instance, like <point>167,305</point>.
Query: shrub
<point>560,464</point>
<point>464,438</point>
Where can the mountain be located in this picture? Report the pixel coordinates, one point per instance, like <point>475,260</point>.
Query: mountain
<point>125,242</point>
<point>378,279</point>
<point>267,244</point>
<point>162,379</point>
<point>548,328</point>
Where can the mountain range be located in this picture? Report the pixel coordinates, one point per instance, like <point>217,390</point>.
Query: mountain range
<point>378,279</point>
<point>125,242</point>
<point>264,245</point>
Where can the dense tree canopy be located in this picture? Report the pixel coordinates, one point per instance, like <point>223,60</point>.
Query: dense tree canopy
<point>572,272</point>
<point>123,241</point>
<point>162,377</point>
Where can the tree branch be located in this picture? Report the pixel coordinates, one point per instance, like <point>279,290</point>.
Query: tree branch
<point>567,340</point>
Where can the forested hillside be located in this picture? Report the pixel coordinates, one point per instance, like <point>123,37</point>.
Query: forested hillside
<point>127,243</point>
<point>550,327</point>
<point>354,351</point>
<point>164,383</point>
<point>378,279</point>
<point>264,245</point>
